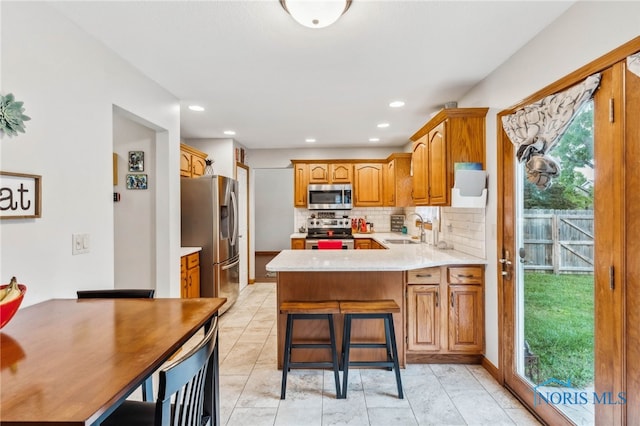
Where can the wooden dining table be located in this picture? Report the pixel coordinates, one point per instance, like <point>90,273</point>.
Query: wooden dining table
<point>72,362</point>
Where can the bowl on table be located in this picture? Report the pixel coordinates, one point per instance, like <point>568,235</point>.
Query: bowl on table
<point>9,309</point>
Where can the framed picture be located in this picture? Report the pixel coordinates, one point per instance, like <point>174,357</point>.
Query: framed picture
<point>136,161</point>
<point>20,196</point>
<point>136,181</point>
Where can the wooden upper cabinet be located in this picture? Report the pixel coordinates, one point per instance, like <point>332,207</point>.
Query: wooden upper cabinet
<point>318,173</point>
<point>192,161</point>
<point>300,182</point>
<point>455,135</point>
<point>419,159</point>
<point>368,187</point>
<point>321,173</point>
<point>437,170</point>
<point>341,172</point>
<point>397,180</point>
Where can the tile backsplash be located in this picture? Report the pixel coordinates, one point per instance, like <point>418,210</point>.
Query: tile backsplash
<point>463,228</point>
<point>379,216</point>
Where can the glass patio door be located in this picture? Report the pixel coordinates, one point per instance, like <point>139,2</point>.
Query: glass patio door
<point>564,283</point>
<point>554,282</point>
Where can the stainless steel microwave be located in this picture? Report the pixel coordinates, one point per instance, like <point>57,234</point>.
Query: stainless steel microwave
<point>329,197</point>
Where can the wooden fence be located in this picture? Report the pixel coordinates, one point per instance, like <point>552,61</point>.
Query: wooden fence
<point>560,241</point>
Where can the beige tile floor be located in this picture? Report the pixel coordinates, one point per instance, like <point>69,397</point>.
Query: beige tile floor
<point>435,394</point>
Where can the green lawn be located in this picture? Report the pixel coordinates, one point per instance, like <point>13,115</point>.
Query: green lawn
<point>558,326</point>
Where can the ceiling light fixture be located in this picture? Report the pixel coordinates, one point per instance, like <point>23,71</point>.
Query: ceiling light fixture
<point>229,132</point>
<point>383,125</point>
<point>315,14</point>
<point>310,140</point>
<point>196,108</point>
<point>396,104</point>
<point>374,139</point>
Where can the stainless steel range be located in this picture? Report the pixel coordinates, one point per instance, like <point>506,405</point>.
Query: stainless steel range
<point>330,232</point>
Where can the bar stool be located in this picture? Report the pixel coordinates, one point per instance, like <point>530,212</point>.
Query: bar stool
<point>309,311</point>
<point>374,309</point>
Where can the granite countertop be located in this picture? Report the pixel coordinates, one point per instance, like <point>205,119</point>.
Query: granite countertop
<point>397,257</point>
<point>185,251</point>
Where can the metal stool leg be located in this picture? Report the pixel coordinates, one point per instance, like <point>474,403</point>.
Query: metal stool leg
<point>334,356</point>
<point>396,365</point>
<point>287,355</point>
<point>346,344</point>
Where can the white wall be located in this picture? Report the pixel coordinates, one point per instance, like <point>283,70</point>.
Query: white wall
<point>69,84</point>
<point>221,150</point>
<point>274,212</point>
<point>280,158</point>
<point>585,32</point>
<point>135,214</point>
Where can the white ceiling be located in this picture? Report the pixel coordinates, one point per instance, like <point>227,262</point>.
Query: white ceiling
<point>275,82</point>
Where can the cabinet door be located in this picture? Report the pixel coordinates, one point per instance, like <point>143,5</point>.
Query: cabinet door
<point>297,244</point>
<point>362,244</point>
<point>198,165</point>
<point>318,173</point>
<point>466,318</point>
<point>368,185</point>
<point>341,173</point>
<point>185,164</point>
<point>438,167</point>
<point>423,318</point>
<point>183,277</point>
<point>301,181</point>
<point>420,158</point>
<point>389,179</point>
<point>193,282</point>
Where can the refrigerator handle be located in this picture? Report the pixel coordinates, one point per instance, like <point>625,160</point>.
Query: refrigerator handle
<point>234,234</point>
<point>231,265</point>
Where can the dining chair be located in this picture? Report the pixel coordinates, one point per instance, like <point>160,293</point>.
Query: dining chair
<point>147,386</point>
<point>182,397</point>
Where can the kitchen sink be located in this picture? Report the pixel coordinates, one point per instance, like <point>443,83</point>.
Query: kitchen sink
<point>401,241</point>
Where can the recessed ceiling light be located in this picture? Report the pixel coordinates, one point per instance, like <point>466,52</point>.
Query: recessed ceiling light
<point>374,139</point>
<point>383,125</point>
<point>310,140</point>
<point>396,104</point>
<point>196,108</point>
<point>229,132</point>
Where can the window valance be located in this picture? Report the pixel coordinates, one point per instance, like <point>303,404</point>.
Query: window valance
<point>536,128</point>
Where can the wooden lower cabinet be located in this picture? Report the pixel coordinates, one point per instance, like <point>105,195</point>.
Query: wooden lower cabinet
<point>190,276</point>
<point>367,244</point>
<point>445,312</point>
<point>298,243</point>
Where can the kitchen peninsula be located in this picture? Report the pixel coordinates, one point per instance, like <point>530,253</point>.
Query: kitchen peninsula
<point>314,275</point>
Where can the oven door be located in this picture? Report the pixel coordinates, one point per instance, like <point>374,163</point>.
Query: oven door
<point>329,244</point>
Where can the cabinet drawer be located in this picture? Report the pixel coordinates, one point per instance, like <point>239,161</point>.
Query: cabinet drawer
<point>193,260</point>
<point>424,276</point>
<point>466,275</point>
<point>183,265</point>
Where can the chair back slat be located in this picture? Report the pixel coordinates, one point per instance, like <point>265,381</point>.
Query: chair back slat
<point>185,378</point>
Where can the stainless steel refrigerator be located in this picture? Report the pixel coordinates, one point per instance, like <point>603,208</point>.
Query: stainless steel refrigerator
<point>210,220</point>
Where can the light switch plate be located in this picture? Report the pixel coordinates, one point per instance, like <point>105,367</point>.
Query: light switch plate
<point>80,244</point>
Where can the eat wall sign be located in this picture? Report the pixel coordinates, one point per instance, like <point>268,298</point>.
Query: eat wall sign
<point>20,195</point>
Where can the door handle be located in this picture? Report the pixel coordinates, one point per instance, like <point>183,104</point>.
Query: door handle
<point>506,265</point>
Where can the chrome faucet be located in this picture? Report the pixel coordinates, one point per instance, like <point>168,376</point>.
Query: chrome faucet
<point>423,233</point>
